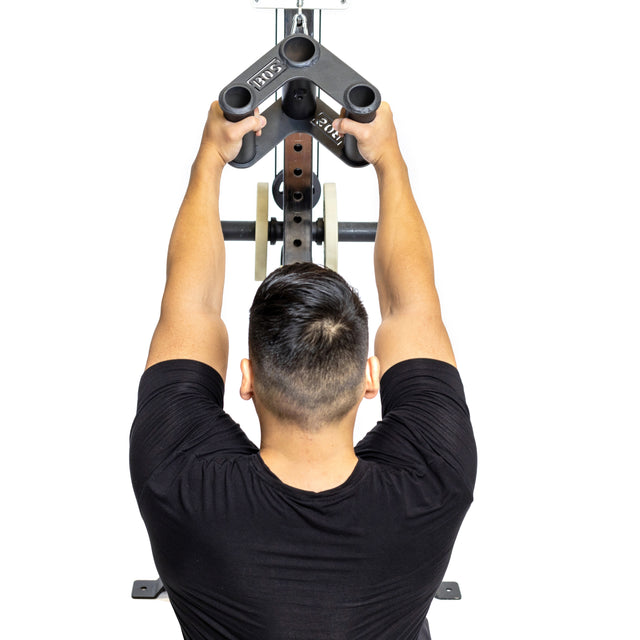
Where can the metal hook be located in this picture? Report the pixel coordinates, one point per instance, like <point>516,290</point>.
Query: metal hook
<point>300,21</point>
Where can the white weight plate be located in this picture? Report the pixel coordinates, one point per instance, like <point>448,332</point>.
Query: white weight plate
<point>262,231</point>
<point>330,204</point>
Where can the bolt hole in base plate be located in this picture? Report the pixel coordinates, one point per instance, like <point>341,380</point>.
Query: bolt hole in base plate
<point>147,589</point>
<point>449,591</point>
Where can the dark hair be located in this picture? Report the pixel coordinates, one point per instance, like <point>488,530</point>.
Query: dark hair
<point>308,344</point>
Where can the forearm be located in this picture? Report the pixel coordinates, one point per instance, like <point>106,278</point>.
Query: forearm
<point>196,256</point>
<point>402,256</point>
<point>411,324</point>
<point>190,324</point>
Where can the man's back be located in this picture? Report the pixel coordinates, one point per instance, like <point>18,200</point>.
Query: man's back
<point>245,556</point>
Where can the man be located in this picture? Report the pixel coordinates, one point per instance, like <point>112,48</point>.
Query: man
<point>306,537</point>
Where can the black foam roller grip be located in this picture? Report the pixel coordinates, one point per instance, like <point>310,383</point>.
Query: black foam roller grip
<point>238,102</point>
<point>361,101</point>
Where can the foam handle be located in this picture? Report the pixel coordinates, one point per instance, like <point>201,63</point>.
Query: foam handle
<point>350,143</point>
<point>236,102</point>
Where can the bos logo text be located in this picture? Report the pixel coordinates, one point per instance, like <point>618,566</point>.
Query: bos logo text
<point>270,71</point>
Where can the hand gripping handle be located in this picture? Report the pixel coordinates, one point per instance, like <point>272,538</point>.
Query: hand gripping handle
<point>360,102</point>
<point>238,102</point>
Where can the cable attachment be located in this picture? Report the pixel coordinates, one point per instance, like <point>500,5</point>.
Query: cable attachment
<point>299,22</point>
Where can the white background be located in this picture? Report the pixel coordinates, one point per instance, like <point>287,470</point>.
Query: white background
<point>520,123</point>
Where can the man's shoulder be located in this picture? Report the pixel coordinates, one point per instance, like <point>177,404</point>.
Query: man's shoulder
<point>426,425</point>
<point>417,375</point>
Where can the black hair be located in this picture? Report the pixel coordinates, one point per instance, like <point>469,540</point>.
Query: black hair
<point>308,344</point>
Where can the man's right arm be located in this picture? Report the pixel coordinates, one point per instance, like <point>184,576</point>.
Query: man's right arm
<point>412,324</point>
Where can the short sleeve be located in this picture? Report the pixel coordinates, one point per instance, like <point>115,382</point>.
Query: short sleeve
<point>180,411</point>
<point>425,421</point>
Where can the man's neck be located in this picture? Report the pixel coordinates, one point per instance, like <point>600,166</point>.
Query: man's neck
<point>311,460</point>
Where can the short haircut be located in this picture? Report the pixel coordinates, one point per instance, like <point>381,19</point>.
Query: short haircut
<point>308,345</point>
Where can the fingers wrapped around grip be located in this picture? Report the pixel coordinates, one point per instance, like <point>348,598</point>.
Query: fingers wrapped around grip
<point>237,104</point>
<point>225,138</point>
<point>375,138</point>
<point>361,102</point>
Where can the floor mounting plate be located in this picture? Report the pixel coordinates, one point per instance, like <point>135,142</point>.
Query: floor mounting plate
<point>448,591</point>
<point>147,589</point>
<point>293,4</point>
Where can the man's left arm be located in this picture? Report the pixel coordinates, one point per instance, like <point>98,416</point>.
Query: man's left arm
<point>190,324</point>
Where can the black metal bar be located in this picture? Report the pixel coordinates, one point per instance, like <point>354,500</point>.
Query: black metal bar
<point>357,231</point>
<point>239,230</point>
<point>245,230</point>
<point>150,589</point>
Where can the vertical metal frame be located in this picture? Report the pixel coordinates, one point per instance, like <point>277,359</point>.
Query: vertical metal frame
<point>298,198</point>
<point>298,174</point>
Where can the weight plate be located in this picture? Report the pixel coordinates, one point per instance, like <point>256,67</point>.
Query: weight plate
<point>262,231</point>
<point>330,226</point>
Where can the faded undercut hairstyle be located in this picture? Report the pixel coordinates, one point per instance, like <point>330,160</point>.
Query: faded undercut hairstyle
<point>308,345</point>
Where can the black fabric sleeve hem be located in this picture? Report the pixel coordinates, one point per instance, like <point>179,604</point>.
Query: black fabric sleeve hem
<point>189,371</point>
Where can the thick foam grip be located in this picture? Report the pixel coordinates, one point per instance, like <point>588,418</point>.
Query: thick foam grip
<point>238,102</point>
<point>361,100</point>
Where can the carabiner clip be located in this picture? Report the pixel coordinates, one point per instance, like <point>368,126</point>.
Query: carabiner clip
<point>300,21</point>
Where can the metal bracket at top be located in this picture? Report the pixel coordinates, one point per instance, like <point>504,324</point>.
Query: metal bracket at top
<point>293,4</point>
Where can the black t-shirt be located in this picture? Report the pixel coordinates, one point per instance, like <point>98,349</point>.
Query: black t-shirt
<point>245,557</point>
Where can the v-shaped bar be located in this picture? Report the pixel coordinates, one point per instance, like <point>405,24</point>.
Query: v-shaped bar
<point>297,64</point>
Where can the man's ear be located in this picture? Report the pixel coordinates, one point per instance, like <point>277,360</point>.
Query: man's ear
<point>246,386</point>
<point>372,385</point>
